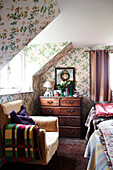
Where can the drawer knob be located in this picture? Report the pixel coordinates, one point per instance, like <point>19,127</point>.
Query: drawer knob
<point>70,102</point>
<point>50,110</point>
<point>50,102</point>
<point>70,111</point>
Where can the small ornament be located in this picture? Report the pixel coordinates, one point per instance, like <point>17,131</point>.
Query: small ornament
<point>64,75</point>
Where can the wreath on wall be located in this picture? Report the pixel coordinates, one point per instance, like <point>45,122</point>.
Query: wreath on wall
<point>65,75</point>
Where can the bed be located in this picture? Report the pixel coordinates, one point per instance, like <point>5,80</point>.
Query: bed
<point>96,149</point>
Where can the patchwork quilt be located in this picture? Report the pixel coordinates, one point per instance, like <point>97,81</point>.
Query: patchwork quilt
<point>20,143</point>
<point>95,152</point>
<point>106,129</point>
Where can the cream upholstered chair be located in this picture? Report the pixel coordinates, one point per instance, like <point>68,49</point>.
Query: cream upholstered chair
<point>48,133</point>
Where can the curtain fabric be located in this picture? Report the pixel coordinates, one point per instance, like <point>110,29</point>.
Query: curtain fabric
<point>99,76</point>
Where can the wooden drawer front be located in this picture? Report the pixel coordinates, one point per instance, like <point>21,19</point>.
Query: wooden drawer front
<point>69,111</point>
<point>49,102</point>
<point>49,110</point>
<point>69,121</point>
<point>71,132</point>
<point>61,111</point>
<point>70,102</point>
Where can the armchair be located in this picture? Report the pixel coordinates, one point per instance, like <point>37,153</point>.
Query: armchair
<point>48,133</point>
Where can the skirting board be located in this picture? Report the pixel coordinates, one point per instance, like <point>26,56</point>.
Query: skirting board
<point>1,162</point>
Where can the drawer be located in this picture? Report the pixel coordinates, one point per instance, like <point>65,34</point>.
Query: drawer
<point>70,132</point>
<point>49,110</point>
<point>49,101</point>
<point>69,111</point>
<point>61,111</point>
<point>69,120</point>
<point>69,102</point>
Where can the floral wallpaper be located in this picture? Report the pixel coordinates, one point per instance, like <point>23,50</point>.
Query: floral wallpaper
<point>40,54</point>
<point>27,99</point>
<point>54,59</point>
<point>20,22</point>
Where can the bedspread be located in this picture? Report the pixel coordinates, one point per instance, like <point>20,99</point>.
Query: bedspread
<point>95,152</point>
<point>93,121</point>
<point>106,129</point>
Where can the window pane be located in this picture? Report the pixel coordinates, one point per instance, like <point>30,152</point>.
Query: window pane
<point>12,75</point>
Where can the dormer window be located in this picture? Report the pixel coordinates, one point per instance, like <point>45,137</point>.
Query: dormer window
<point>14,76</point>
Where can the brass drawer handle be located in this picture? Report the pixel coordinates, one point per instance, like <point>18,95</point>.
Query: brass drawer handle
<point>50,110</point>
<point>70,131</point>
<point>70,102</point>
<point>70,111</point>
<point>50,102</point>
<point>70,120</point>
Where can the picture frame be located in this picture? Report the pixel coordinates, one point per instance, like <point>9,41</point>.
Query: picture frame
<point>63,74</point>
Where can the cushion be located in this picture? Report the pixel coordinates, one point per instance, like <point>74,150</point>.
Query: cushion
<point>104,109</point>
<point>21,117</point>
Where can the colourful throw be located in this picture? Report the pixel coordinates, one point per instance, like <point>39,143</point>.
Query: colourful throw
<point>20,143</point>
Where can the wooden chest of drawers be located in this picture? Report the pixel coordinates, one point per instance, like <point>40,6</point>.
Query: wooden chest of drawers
<point>68,111</point>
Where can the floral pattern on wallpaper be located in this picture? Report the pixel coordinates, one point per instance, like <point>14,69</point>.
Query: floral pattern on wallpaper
<point>47,66</point>
<point>20,22</point>
<point>55,59</point>
<point>42,53</point>
<point>75,58</point>
<point>27,99</point>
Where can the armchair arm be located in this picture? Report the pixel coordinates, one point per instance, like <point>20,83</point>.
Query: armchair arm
<point>49,123</point>
<point>41,132</point>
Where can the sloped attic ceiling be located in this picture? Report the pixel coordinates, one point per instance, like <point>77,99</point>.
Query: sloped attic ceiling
<point>20,22</point>
<point>84,22</point>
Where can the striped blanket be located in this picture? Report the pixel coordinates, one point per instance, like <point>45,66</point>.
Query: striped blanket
<point>20,143</point>
<point>95,152</point>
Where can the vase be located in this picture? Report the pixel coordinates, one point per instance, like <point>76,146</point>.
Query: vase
<point>70,90</point>
<point>66,92</point>
<point>61,91</point>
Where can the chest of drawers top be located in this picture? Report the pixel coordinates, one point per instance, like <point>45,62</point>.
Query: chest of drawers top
<point>60,101</point>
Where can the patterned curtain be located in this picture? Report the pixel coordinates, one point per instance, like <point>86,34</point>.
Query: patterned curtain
<point>99,76</point>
